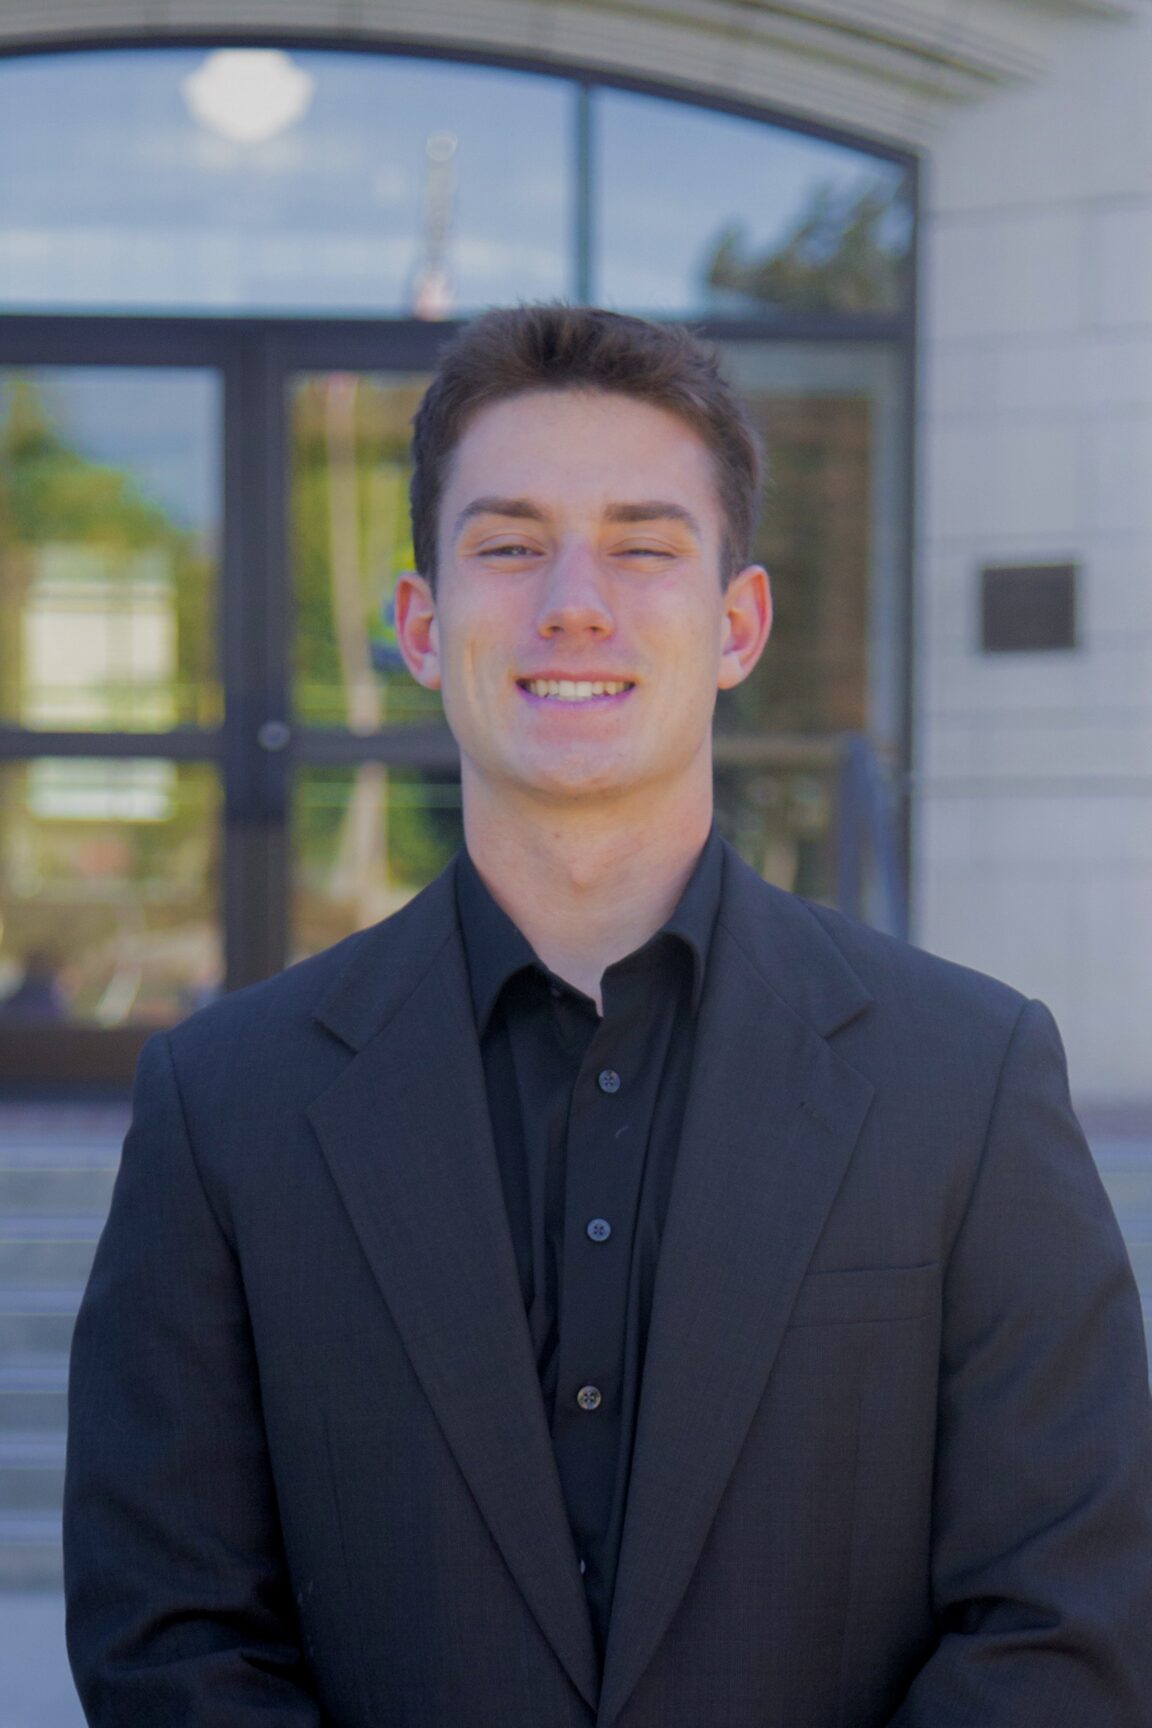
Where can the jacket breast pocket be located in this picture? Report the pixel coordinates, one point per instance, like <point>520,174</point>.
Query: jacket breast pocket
<point>871,1293</point>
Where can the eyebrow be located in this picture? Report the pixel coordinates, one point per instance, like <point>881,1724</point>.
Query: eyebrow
<point>521,509</point>
<point>524,510</point>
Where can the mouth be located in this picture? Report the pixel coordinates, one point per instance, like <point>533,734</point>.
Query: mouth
<point>575,689</point>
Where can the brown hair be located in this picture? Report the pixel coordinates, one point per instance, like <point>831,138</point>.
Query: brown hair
<point>554,347</point>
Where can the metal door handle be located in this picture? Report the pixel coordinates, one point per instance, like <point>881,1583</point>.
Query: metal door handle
<point>274,735</point>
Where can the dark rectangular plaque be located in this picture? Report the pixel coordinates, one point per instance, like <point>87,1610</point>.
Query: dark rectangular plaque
<point>1027,608</point>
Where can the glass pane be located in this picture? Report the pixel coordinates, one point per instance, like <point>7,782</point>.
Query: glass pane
<point>365,839</point>
<point>706,214</point>
<point>351,538</point>
<point>830,536</point>
<point>781,820</point>
<point>255,180</point>
<point>109,536</point>
<point>108,891</point>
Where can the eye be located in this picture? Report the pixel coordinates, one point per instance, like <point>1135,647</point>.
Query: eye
<point>646,552</point>
<point>508,549</point>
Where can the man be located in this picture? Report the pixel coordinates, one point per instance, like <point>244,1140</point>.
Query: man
<point>611,1290</point>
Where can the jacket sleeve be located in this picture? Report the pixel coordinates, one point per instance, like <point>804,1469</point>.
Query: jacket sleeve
<point>179,1606</point>
<point>1042,1528</point>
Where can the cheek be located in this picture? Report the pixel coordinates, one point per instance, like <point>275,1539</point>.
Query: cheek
<point>474,659</point>
<point>692,639</point>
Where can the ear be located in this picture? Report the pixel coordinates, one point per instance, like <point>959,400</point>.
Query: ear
<point>417,631</point>
<point>747,623</point>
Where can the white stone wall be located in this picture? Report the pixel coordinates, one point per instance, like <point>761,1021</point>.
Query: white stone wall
<point>1034,771</point>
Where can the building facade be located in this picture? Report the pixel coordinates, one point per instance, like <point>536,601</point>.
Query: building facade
<point>922,237</point>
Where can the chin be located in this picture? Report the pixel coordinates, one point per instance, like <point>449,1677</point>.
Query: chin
<point>576,781</point>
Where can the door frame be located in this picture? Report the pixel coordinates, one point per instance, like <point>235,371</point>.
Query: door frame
<point>256,359</point>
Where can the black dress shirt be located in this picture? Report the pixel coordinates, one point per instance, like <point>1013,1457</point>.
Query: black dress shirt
<point>586,1113</point>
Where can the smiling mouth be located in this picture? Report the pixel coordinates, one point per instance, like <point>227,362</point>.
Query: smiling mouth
<point>574,689</point>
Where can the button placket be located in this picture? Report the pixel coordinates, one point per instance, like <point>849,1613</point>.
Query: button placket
<point>602,1178</point>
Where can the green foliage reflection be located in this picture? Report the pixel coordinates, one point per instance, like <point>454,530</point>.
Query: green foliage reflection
<point>846,253</point>
<point>107,868</point>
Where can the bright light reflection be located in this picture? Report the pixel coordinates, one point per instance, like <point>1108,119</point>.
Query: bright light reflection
<point>248,95</point>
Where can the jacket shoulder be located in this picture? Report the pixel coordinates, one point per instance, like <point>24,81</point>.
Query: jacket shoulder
<point>831,968</point>
<point>265,1029</point>
<point>945,1028</point>
<point>894,969</point>
<point>286,998</point>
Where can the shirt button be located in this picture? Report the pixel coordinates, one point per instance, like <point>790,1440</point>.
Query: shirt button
<point>599,1229</point>
<point>588,1397</point>
<point>608,1080</point>
<point>583,1567</point>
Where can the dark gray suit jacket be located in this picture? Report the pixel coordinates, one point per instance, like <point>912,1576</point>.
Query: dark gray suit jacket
<point>893,1455</point>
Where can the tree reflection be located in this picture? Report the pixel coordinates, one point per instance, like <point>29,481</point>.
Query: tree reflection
<point>366,837</point>
<point>106,623</point>
<point>845,253</point>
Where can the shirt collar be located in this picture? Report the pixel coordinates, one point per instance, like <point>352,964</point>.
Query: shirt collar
<point>696,910</point>
<point>496,949</point>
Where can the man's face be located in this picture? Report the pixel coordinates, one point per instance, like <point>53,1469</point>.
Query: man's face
<point>580,631</point>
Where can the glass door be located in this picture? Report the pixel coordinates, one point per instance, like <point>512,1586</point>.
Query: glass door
<point>111,700</point>
<point>376,798</point>
<point>212,762</point>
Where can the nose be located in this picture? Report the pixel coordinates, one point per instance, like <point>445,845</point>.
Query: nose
<point>574,599</point>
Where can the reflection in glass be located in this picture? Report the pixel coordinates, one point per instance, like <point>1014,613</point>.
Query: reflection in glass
<point>248,95</point>
<point>109,525</point>
<point>366,838</point>
<point>704,213</point>
<point>351,538</point>
<point>829,536</point>
<point>781,820</point>
<point>108,890</point>
<point>248,180</point>
<point>814,538</point>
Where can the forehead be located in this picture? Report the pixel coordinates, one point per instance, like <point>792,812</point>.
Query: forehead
<point>585,446</point>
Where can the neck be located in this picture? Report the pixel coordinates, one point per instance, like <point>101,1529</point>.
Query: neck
<point>585,885</point>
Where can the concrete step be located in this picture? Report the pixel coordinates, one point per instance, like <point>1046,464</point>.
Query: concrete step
<point>1125,1166</point>
<point>1131,1198</point>
<point>31,1554</point>
<point>55,1189</point>
<point>48,1148</point>
<point>1130,1190</point>
<point>37,1321</point>
<point>93,1118</point>
<point>46,1249</point>
<point>31,1473</point>
<point>33,1393</point>
<point>1106,1141</point>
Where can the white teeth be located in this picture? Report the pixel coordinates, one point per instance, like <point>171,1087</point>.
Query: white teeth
<point>573,690</point>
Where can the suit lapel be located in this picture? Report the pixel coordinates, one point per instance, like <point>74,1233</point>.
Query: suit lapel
<point>406,1133</point>
<point>771,1120</point>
